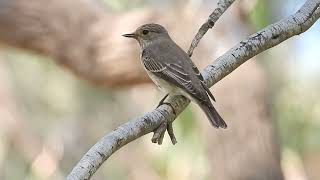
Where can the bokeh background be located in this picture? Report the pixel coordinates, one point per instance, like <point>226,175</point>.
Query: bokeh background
<point>67,77</point>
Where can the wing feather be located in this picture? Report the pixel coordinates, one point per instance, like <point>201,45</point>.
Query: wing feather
<point>173,73</point>
<point>158,61</point>
<point>196,70</point>
<point>152,65</point>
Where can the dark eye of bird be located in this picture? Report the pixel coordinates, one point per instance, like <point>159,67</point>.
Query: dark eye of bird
<point>145,32</point>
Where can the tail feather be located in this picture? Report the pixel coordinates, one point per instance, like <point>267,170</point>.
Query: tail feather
<point>213,116</point>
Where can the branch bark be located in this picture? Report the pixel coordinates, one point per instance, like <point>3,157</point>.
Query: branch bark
<point>268,37</point>
<point>223,5</point>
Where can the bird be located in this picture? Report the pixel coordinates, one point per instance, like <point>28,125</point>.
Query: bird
<point>172,70</point>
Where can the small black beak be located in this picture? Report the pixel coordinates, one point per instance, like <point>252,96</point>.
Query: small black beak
<point>131,35</point>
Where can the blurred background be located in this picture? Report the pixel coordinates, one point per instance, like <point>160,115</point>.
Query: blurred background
<point>67,77</point>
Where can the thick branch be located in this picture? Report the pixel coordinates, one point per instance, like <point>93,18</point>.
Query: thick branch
<point>255,44</point>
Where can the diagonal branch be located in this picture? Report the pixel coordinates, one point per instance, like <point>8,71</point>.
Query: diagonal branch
<point>268,37</point>
<point>223,5</point>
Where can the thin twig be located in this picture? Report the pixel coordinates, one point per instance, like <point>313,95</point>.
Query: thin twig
<point>268,37</point>
<point>222,6</point>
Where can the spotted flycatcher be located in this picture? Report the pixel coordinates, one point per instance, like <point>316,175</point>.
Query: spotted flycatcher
<point>172,70</point>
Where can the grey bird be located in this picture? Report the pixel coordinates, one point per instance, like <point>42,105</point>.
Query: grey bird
<point>172,70</point>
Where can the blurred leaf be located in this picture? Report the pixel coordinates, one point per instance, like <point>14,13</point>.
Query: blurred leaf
<point>187,121</point>
<point>121,5</point>
<point>259,14</point>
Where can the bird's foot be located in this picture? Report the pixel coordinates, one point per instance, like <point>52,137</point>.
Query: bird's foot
<point>160,131</point>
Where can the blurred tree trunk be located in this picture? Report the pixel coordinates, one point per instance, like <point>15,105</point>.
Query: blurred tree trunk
<point>77,34</point>
<point>248,149</point>
<point>81,36</point>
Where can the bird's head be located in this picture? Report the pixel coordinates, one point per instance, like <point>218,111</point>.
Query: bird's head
<point>148,33</point>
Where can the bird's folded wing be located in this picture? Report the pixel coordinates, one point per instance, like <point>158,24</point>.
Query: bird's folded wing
<point>173,73</point>
<point>205,86</point>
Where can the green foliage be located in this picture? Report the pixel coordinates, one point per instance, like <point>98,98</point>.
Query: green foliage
<point>121,5</point>
<point>259,14</point>
<point>297,111</point>
<point>186,121</point>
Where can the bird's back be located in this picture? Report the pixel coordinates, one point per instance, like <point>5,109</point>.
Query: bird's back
<point>167,61</point>
<point>169,52</point>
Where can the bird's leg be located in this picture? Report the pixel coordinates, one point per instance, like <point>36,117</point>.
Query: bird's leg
<point>162,102</point>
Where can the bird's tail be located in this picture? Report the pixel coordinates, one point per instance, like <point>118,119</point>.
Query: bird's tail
<point>213,116</point>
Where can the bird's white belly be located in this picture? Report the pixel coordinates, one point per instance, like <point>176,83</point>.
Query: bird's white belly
<point>163,85</point>
<point>166,87</point>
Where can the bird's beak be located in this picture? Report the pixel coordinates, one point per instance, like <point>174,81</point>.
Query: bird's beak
<point>130,35</point>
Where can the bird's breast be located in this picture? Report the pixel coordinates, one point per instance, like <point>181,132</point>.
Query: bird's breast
<point>163,85</point>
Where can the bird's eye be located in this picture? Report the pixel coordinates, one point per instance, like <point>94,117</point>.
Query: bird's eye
<point>145,32</point>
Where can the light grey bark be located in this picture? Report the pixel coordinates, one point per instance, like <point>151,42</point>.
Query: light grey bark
<point>268,37</point>
<point>222,6</point>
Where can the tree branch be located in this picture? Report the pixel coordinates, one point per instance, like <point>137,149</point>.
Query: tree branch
<point>223,5</point>
<point>268,37</point>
